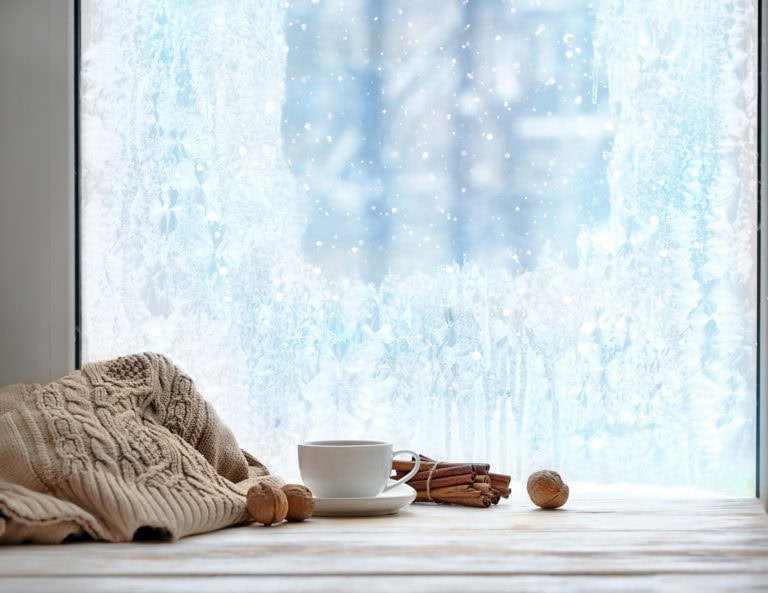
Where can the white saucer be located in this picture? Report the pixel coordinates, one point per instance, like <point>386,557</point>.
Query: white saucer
<point>388,502</point>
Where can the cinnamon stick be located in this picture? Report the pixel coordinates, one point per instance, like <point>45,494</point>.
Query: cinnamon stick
<point>438,472</point>
<point>433,483</point>
<point>460,495</point>
<point>465,484</point>
<point>483,487</point>
<point>500,480</point>
<point>503,492</point>
<point>403,466</point>
<point>406,465</point>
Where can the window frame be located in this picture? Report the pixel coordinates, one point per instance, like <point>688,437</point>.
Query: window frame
<point>37,191</point>
<point>62,276</point>
<point>762,257</point>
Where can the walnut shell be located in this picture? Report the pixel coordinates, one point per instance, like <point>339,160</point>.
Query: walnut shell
<point>266,503</point>
<point>547,489</point>
<point>301,503</point>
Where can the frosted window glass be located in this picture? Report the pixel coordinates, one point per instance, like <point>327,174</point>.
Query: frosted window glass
<point>515,232</point>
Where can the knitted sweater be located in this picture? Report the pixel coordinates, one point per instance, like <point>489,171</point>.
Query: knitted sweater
<point>122,449</point>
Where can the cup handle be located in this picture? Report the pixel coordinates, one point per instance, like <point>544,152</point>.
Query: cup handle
<point>410,474</point>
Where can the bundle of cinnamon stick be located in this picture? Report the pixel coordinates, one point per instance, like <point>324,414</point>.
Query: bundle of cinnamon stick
<point>465,484</point>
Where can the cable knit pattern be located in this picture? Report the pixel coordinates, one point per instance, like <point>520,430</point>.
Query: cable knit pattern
<point>121,449</point>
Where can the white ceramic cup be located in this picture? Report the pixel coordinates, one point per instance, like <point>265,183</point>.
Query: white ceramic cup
<point>350,469</point>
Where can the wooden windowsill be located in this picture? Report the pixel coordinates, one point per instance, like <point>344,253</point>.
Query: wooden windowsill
<point>590,545</point>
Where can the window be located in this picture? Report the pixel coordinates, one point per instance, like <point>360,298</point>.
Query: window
<point>521,232</point>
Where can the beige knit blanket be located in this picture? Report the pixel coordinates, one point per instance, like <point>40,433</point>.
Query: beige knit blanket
<point>122,449</point>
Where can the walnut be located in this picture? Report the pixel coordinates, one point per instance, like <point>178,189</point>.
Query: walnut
<point>266,503</point>
<point>547,489</point>
<point>301,504</point>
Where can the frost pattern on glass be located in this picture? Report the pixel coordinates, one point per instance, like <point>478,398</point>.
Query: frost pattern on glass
<point>487,231</point>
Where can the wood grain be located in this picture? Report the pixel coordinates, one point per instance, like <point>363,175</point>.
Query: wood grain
<point>591,545</point>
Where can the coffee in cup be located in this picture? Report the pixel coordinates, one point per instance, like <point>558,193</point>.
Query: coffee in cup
<point>349,468</point>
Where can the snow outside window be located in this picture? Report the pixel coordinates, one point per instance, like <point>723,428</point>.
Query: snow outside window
<point>520,232</point>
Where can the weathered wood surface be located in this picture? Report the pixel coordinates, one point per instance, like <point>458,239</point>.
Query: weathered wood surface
<point>590,545</point>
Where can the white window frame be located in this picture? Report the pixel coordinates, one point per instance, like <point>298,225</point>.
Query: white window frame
<point>762,272</point>
<point>39,308</point>
<point>37,190</point>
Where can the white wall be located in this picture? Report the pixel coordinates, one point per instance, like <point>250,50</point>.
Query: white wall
<point>37,309</point>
